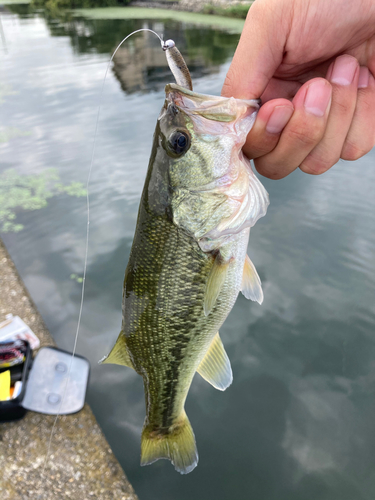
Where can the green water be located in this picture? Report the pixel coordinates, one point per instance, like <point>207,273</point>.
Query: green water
<point>298,422</point>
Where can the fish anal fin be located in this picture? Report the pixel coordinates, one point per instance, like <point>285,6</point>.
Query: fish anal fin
<point>214,285</point>
<point>176,444</point>
<point>251,285</point>
<point>215,366</point>
<point>119,354</point>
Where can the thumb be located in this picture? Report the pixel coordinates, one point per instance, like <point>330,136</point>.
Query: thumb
<point>259,52</point>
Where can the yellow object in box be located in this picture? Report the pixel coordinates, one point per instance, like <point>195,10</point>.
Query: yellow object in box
<point>5,386</point>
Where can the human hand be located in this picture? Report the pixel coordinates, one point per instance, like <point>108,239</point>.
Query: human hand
<point>312,63</point>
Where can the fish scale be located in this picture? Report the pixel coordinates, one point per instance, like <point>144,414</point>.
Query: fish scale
<point>177,278</point>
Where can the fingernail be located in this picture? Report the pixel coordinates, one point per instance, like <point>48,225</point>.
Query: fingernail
<point>363,78</point>
<point>278,119</point>
<point>344,70</point>
<point>318,97</point>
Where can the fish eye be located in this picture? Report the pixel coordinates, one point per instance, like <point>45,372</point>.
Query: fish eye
<point>179,142</point>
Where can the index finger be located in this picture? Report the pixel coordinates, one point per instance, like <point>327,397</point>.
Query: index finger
<point>259,52</point>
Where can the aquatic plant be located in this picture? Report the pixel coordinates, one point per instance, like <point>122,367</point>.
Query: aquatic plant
<point>238,10</point>
<point>5,90</point>
<point>8,133</point>
<point>76,277</point>
<point>30,192</point>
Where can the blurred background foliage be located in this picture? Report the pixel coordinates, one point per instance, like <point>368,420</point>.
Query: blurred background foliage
<point>56,5</point>
<point>236,10</point>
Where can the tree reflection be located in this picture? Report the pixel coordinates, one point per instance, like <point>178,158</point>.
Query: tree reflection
<point>140,65</point>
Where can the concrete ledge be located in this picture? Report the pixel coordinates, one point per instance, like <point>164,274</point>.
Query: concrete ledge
<point>81,465</point>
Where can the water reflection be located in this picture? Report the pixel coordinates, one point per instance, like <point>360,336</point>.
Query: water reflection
<point>136,62</point>
<point>140,64</point>
<point>298,422</point>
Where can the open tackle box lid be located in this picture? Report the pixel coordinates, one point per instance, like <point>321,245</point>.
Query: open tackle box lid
<point>14,328</point>
<point>57,382</point>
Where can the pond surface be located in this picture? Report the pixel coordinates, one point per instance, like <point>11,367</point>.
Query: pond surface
<point>298,422</point>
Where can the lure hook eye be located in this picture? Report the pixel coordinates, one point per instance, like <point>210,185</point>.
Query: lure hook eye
<point>168,44</point>
<point>179,142</point>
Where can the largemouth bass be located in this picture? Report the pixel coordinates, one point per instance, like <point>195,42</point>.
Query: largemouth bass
<point>188,261</point>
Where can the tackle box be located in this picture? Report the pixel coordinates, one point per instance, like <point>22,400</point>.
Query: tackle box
<point>13,409</point>
<point>53,383</point>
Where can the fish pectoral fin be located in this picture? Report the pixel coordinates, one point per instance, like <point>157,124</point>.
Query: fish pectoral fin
<point>251,285</point>
<point>215,366</point>
<point>119,354</point>
<point>215,282</point>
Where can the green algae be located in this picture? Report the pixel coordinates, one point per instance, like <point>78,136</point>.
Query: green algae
<point>220,22</point>
<point>30,192</point>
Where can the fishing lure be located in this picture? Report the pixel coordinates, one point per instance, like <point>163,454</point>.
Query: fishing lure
<point>177,65</point>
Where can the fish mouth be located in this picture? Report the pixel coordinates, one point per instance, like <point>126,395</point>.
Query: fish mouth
<point>216,108</point>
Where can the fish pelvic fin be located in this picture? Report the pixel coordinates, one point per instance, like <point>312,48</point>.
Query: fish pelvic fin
<point>176,444</point>
<point>215,366</point>
<point>119,354</point>
<point>251,285</point>
<point>215,282</point>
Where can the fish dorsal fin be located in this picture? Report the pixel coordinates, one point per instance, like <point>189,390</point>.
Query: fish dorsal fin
<point>215,366</point>
<point>119,354</point>
<point>215,282</point>
<point>251,285</point>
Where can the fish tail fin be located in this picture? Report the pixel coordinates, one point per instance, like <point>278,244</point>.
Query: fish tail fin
<point>177,444</point>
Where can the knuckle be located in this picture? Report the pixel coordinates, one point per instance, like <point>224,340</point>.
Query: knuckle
<point>257,147</point>
<point>269,169</point>
<point>343,105</point>
<point>314,165</point>
<point>306,137</point>
<point>352,152</point>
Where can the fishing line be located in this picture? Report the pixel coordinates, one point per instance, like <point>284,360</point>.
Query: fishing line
<point>165,46</point>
